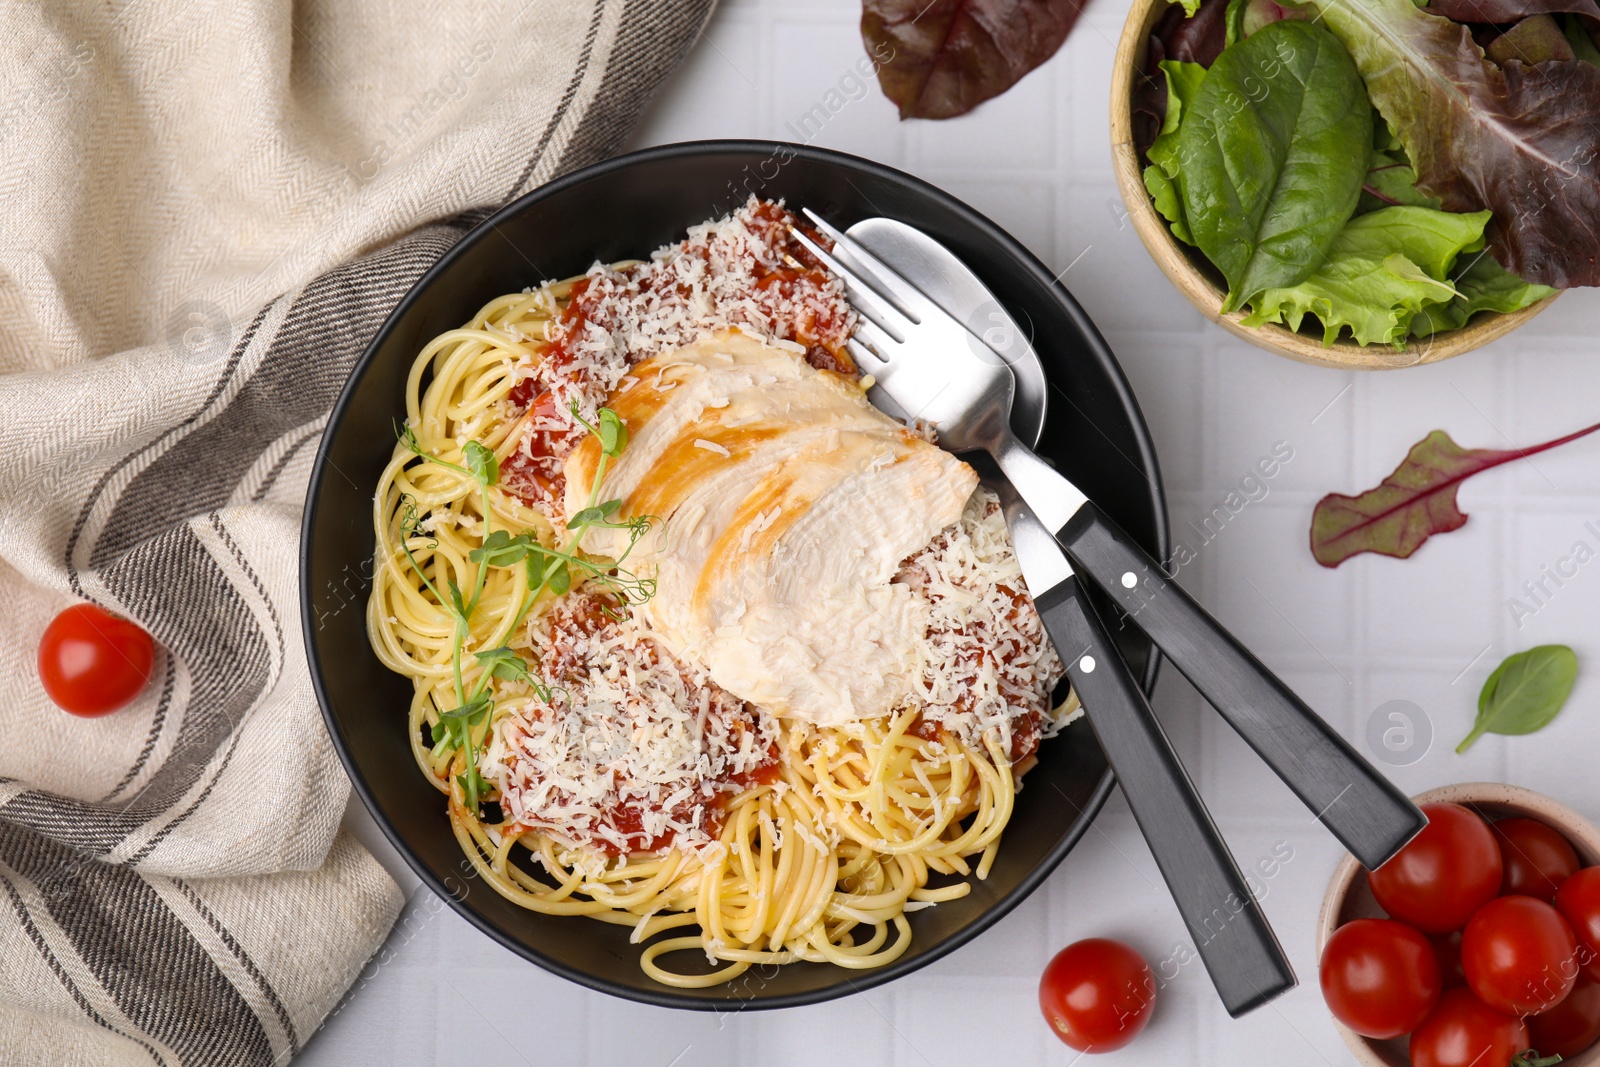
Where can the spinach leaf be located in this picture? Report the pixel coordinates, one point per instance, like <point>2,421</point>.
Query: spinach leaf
<point>1524,693</point>
<point>1160,177</point>
<point>1383,269</point>
<point>1484,285</point>
<point>1271,154</point>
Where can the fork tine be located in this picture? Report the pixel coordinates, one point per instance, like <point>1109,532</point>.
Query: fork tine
<point>913,301</point>
<point>867,300</point>
<point>866,359</point>
<point>876,338</point>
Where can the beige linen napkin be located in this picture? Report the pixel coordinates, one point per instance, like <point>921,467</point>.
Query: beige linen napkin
<point>206,209</point>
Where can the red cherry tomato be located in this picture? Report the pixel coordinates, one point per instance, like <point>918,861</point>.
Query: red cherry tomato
<point>1578,900</point>
<point>1464,1032</point>
<point>1519,955</point>
<point>1379,977</point>
<point>1571,1026</point>
<point>1447,872</point>
<point>1537,858</point>
<point>1448,948</point>
<point>1097,995</point>
<point>92,662</point>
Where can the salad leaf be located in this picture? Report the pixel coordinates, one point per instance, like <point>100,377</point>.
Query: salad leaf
<point>1411,505</point>
<point>1233,22</point>
<point>1536,39</point>
<point>1182,39</point>
<point>1518,141</point>
<point>1160,178</point>
<point>941,58</point>
<point>1484,285</point>
<point>1390,181</point>
<point>1383,269</point>
<point>1272,152</point>
<point>1193,37</point>
<point>1524,693</point>
<point>1503,11</point>
<point>1585,40</point>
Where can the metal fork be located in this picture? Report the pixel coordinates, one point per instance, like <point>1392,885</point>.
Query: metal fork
<point>929,366</point>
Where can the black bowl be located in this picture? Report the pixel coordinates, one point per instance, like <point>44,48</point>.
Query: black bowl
<point>621,209</point>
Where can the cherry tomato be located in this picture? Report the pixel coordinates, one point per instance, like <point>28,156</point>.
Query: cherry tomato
<point>1465,1032</point>
<point>1097,995</point>
<point>1571,1026</point>
<point>92,662</point>
<point>1379,977</point>
<point>1537,858</point>
<point>1578,900</point>
<point>1448,948</point>
<point>1519,955</point>
<point>1447,872</point>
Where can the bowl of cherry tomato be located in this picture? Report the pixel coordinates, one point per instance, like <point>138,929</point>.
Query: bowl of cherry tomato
<point>1478,945</point>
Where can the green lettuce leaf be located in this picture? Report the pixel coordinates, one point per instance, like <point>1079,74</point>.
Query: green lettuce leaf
<point>1160,177</point>
<point>1272,150</point>
<point>1390,181</point>
<point>1484,285</point>
<point>1383,269</point>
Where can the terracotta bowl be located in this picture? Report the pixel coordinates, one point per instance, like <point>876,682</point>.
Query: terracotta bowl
<point>1349,898</point>
<point>1197,280</point>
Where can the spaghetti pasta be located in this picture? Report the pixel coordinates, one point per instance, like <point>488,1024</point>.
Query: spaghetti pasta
<point>593,763</point>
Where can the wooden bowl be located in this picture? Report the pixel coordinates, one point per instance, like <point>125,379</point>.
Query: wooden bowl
<point>1199,281</point>
<point>1349,897</point>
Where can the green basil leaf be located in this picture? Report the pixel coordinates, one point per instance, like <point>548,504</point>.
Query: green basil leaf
<point>1271,154</point>
<point>1524,693</point>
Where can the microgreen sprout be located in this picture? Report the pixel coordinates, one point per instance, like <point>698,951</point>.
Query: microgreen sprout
<point>545,568</point>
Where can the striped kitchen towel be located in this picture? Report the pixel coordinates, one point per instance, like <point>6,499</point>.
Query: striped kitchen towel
<point>206,209</point>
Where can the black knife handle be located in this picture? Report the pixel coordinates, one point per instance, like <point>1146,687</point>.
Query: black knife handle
<point>1239,949</point>
<point>1361,807</point>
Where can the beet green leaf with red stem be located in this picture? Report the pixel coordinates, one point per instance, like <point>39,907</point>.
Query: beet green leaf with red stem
<point>1411,505</point>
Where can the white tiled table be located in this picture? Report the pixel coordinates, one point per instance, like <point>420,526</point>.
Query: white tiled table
<point>1427,630</point>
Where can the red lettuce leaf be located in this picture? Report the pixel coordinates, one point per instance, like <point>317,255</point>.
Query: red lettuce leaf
<point>1503,11</point>
<point>1520,141</point>
<point>942,58</point>
<point>1411,505</point>
<point>1198,39</point>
